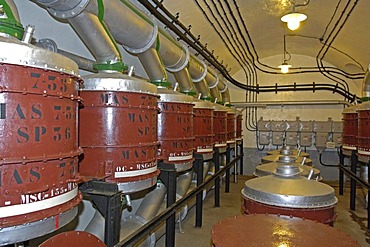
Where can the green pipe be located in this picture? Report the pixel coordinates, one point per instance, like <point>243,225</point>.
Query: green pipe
<point>8,23</point>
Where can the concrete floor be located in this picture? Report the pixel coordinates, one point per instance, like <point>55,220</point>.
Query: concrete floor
<point>354,223</point>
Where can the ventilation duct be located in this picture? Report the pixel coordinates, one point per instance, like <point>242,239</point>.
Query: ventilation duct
<point>140,35</point>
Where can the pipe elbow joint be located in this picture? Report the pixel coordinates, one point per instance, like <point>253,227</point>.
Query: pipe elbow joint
<point>64,9</point>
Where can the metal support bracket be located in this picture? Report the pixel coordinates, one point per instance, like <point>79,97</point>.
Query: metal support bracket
<point>107,199</point>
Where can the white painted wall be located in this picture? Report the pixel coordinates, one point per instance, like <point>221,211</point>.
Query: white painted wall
<point>318,113</point>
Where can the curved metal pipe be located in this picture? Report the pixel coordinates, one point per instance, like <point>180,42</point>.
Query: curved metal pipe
<point>366,84</point>
<point>96,225</point>
<point>152,202</point>
<point>183,183</point>
<point>89,28</point>
<point>95,37</point>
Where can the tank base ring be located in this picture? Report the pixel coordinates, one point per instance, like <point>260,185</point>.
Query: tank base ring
<point>21,233</point>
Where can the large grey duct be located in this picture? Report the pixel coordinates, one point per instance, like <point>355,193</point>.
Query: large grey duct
<point>83,63</point>
<point>222,87</point>
<point>89,28</point>
<point>138,33</point>
<point>147,210</point>
<point>366,84</point>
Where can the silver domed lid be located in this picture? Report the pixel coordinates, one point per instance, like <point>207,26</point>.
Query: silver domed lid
<point>289,151</point>
<point>115,81</point>
<point>285,159</point>
<point>289,191</point>
<point>202,104</point>
<point>16,52</point>
<point>218,107</point>
<point>269,169</point>
<point>365,106</point>
<point>167,95</point>
<point>351,109</point>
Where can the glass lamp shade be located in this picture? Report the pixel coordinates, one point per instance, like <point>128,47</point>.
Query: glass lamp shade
<point>293,20</point>
<point>284,67</point>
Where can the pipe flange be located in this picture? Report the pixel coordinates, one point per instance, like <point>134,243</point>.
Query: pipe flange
<point>204,73</point>
<point>151,42</point>
<point>224,89</point>
<point>184,64</point>
<point>215,84</point>
<point>66,14</point>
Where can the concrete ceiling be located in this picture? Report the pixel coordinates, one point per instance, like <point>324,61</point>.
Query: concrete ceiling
<point>262,20</point>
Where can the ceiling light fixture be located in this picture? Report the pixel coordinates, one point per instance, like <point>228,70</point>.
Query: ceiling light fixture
<point>293,19</point>
<point>284,67</point>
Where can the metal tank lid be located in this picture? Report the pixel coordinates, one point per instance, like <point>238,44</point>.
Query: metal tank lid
<point>351,109</point>
<point>218,107</point>
<point>16,52</point>
<point>116,81</point>
<point>269,169</point>
<point>202,104</point>
<point>285,159</point>
<point>168,95</point>
<point>364,106</point>
<point>287,189</point>
<point>230,110</point>
<point>288,151</point>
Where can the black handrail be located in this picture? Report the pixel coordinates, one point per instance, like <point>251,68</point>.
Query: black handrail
<point>159,219</point>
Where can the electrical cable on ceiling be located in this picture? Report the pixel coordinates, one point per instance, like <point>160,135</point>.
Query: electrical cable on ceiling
<point>212,60</point>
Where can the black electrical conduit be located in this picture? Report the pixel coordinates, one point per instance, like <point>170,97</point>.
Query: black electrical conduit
<point>320,56</point>
<point>267,66</point>
<point>232,32</point>
<point>156,221</point>
<point>211,59</point>
<point>195,41</point>
<point>325,47</point>
<point>349,76</point>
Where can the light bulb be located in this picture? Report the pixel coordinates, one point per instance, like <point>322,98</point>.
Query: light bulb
<point>293,20</point>
<point>293,25</point>
<point>284,67</point>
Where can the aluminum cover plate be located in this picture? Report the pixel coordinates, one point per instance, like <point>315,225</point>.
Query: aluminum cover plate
<point>167,95</point>
<point>268,169</point>
<point>351,109</point>
<point>294,152</point>
<point>275,158</point>
<point>115,81</point>
<point>293,192</point>
<point>202,104</point>
<point>16,52</point>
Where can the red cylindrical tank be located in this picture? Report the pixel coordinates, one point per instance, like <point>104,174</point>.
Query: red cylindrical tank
<point>38,141</point>
<point>231,126</point>
<point>175,129</point>
<point>272,230</point>
<point>73,238</point>
<point>203,128</point>
<point>239,128</point>
<point>118,131</point>
<point>350,128</point>
<point>288,193</point>
<point>220,126</point>
<point>364,129</point>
